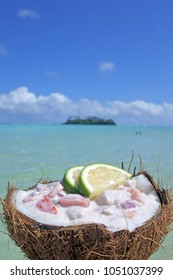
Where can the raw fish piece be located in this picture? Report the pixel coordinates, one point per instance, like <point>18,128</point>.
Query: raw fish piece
<point>127,204</point>
<point>57,187</point>
<point>40,187</point>
<point>130,214</point>
<point>29,198</point>
<point>46,205</point>
<point>106,198</point>
<point>62,193</point>
<point>74,200</point>
<point>136,195</point>
<point>44,192</point>
<point>35,193</point>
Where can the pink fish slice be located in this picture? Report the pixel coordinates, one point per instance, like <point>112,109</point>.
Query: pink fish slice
<point>62,193</point>
<point>30,197</point>
<point>130,214</point>
<point>40,187</point>
<point>46,205</point>
<point>74,200</point>
<point>136,195</point>
<point>56,188</point>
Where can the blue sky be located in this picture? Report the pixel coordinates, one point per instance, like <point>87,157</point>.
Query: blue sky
<point>110,58</point>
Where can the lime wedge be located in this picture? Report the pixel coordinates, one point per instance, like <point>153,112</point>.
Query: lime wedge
<point>70,179</point>
<point>98,177</point>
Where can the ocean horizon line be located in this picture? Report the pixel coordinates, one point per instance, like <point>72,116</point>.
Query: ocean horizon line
<point>86,125</point>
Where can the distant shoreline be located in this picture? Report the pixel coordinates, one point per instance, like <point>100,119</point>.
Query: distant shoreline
<point>89,120</point>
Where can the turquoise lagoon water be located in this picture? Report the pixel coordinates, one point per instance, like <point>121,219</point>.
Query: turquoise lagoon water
<point>31,152</point>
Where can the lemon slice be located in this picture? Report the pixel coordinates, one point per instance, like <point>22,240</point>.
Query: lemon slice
<point>70,179</point>
<point>98,177</point>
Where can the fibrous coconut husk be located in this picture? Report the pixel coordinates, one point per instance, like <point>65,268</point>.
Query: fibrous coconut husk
<point>90,241</point>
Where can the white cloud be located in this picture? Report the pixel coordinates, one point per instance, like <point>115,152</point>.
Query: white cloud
<point>3,50</point>
<point>21,96</point>
<point>23,106</point>
<point>137,108</point>
<point>106,66</point>
<point>26,13</point>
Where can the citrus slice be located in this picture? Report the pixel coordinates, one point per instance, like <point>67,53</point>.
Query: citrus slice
<point>98,177</point>
<point>70,179</point>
